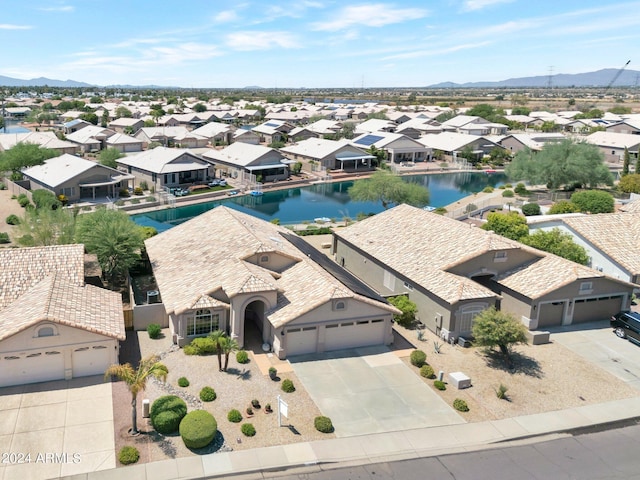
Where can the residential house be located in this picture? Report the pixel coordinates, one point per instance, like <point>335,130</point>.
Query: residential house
<point>74,126</point>
<point>44,139</point>
<point>76,178</point>
<point>399,148</point>
<point>273,131</point>
<point>330,154</point>
<point>218,133</point>
<point>453,271</point>
<point>472,125</point>
<point>126,125</point>
<point>613,144</point>
<point>55,326</point>
<point>375,125</point>
<point>164,167</point>
<point>246,135</point>
<point>124,143</point>
<point>626,126</point>
<point>239,159</point>
<point>516,142</point>
<point>452,144</point>
<point>226,270</point>
<point>91,138</point>
<point>171,136</point>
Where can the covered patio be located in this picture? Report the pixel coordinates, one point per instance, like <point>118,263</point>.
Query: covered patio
<point>355,162</point>
<point>96,189</point>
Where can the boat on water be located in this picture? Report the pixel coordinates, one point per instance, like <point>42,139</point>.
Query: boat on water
<point>255,193</point>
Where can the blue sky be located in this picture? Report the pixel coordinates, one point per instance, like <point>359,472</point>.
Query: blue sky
<point>313,43</point>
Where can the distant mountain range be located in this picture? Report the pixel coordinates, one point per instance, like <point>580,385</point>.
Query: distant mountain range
<point>600,78</point>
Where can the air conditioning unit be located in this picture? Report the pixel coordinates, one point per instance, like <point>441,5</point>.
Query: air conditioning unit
<point>463,342</point>
<point>153,296</point>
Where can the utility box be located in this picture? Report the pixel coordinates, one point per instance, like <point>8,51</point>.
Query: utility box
<point>145,408</point>
<point>463,342</point>
<point>460,380</point>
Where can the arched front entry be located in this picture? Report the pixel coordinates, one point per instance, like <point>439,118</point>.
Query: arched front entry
<point>257,330</point>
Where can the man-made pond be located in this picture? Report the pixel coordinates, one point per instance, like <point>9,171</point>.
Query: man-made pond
<point>330,200</point>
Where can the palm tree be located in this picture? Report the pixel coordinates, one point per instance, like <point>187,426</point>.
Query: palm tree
<point>218,336</point>
<point>136,380</point>
<point>229,345</point>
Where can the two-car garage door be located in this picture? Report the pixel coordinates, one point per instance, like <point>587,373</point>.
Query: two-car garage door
<point>337,336</point>
<point>32,367</point>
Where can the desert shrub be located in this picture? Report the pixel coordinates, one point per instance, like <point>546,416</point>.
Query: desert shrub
<point>408,309</point>
<point>138,191</point>
<point>234,416</point>
<point>460,405</point>
<point>167,412</point>
<point>124,192</point>
<point>427,371</point>
<point>2,186</point>
<point>144,185</point>
<point>135,201</point>
<point>593,201</point>
<point>248,429</point>
<point>154,330</point>
<point>128,455</point>
<point>273,373</point>
<point>255,403</point>
<point>287,386</point>
<point>488,189</point>
<point>529,209</point>
<point>563,206</point>
<point>4,237</point>
<point>440,210</point>
<point>520,189</point>
<point>44,199</point>
<point>418,358</point>
<point>198,428</point>
<point>183,382</point>
<point>150,198</point>
<point>508,193</point>
<point>207,394</point>
<point>242,357</point>
<point>23,200</point>
<point>200,346</point>
<point>13,219</point>
<point>119,203</point>
<point>323,424</point>
<point>440,385</point>
<point>501,392</point>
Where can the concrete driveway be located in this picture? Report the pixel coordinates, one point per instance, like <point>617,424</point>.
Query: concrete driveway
<point>370,390</point>
<point>597,343</point>
<point>65,426</point>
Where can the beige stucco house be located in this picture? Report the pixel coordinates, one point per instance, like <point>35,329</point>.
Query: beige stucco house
<point>453,271</point>
<point>55,326</point>
<point>230,271</point>
<point>239,158</point>
<point>330,154</point>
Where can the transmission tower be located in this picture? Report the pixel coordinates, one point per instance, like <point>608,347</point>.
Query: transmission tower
<point>550,78</point>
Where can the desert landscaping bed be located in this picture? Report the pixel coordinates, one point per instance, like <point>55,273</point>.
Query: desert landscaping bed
<point>545,378</point>
<point>235,389</point>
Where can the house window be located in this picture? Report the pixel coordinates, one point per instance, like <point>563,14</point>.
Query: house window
<point>586,287</point>
<point>500,257</point>
<point>466,316</point>
<point>408,286</point>
<point>46,332</point>
<point>339,305</point>
<point>389,280</point>
<point>264,259</point>
<point>202,323</point>
<point>154,177</point>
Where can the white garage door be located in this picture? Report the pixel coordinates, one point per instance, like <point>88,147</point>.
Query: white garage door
<point>302,340</point>
<point>40,366</point>
<point>363,333</point>
<point>91,360</point>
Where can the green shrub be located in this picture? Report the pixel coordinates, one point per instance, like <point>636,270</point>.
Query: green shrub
<point>135,201</point>
<point>255,403</point>
<point>440,385</point>
<point>248,429</point>
<point>23,201</point>
<point>273,373</point>
<point>408,309</point>
<point>440,210</point>
<point>128,455</point>
<point>529,209</point>
<point>198,429</point>
<point>418,358</point>
<point>593,201</point>
<point>508,185</point>
<point>119,203</point>
<point>488,189</point>
<point>167,412</point>
<point>200,346</point>
<point>427,371</point>
<point>501,392</point>
<point>183,382</point>
<point>563,206</point>
<point>2,186</point>
<point>234,416</point>
<point>207,394</point>
<point>520,189</point>
<point>4,237</point>
<point>138,191</point>
<point>144,185</point>
<point>508,193</point>
<point>13,219</point>
<point>124,192</point>
<point>150,199</point>
<point>154,330</point>
<point>44,199</point>
<point>287,386</point>
<point>323,424</point>
<point>460,405</point>
<point>242,357</point>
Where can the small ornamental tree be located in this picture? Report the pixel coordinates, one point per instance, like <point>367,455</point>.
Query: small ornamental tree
<point>408,309</point>
<point>563,206</point>
<point>559,243</point>
<point>510,225</point>
<point>494,328</point>
<point>593,201</point>
<point>625,162</point>
<point>630,183</point>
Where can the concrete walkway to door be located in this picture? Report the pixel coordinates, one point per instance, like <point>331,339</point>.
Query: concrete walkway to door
<point>370,390</point>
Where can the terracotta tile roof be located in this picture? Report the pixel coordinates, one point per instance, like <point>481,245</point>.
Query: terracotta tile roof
<point>22,268</point>
<point>57,300</point>
<point>209,253</point>
<point>615,234</point>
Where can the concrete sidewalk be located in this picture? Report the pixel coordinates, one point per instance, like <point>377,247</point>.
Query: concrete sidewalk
<point>375,448</point>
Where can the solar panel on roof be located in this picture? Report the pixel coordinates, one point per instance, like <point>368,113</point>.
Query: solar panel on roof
<point>368,140</point>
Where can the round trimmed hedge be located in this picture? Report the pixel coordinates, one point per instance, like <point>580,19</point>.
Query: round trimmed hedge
<point>128,455</point>
<point>183,381</point>
<point>242,357</point>
<point>460,405</point>
<point>208,394</point>
<point>427,371</point>
<point>166,413</point>
<point>234,416</point>
<point>248,429</point>
<point>287,386</point>
<point>440,385</point>
<point>323,424</point>
<point>198,428</point>
<point>418,358</point>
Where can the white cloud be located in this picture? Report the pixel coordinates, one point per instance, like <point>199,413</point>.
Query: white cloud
<point>61,8</point>
<point>371,15</point>
<point>8,26</point>
<point>472,5</point>
<point>437,51</point>
<point>225,16</point>
<point>255,40</point>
